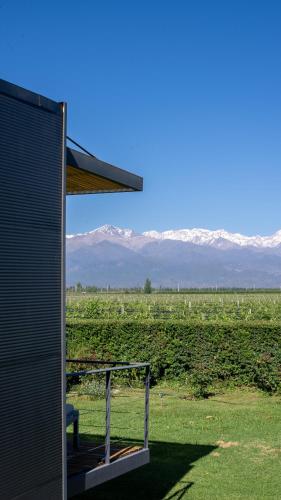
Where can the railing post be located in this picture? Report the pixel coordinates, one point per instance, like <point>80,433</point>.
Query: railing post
<point>146,406</point>
<point>107,416</point>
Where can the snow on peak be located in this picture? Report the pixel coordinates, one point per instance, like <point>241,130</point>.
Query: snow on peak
<point>198,236</point>
<point>114,231</point>
<point>106,230</point>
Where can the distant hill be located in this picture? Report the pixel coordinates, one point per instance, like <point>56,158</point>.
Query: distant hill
<point>188,257</point>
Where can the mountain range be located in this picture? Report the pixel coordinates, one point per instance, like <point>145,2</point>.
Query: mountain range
<point>119,257</point>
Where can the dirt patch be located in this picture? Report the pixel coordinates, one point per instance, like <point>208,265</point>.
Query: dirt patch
<point>226,444</point>
<point>268,450</point>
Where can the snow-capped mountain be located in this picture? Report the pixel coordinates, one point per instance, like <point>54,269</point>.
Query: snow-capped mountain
<point>200,236</point>
<point>191,257</point>
<point>107,230</point>
<point>197,236</point>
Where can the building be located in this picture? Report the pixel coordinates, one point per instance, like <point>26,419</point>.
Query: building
<point>38,170</point>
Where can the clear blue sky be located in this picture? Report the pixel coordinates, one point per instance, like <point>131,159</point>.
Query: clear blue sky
<point>185,93</point>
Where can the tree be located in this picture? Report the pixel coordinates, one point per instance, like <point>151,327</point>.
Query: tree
<point>147,286</point>
<point>79,287</point>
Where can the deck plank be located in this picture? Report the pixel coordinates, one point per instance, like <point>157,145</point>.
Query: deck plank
<point>91,455</point>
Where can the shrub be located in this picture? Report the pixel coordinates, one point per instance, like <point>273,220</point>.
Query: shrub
<point>92,388</point>
<point>199,354</point>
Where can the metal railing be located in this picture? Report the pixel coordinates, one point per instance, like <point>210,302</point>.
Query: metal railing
<point>115,366</point>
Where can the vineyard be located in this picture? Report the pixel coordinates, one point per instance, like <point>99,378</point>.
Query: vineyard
<point>188,307</point>
<point>197,339</point>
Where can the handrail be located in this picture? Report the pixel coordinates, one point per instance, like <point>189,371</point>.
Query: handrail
<point>97,362</point>
<point>107,371</point>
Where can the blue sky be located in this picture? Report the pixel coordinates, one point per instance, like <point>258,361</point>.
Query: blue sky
<point>185,93</point>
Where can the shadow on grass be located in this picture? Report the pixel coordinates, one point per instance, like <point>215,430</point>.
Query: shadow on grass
<point>169,463</point>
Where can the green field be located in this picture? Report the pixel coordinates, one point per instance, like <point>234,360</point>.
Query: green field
<point>194,306</point>
<point>226,447</point>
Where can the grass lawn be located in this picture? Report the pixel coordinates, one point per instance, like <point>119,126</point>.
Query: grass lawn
<point>228,446</point>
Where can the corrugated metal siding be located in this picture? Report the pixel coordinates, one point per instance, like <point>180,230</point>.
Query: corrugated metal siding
<point>30,301</point>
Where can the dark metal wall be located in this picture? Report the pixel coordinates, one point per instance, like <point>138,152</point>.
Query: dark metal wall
<point>31,170</point>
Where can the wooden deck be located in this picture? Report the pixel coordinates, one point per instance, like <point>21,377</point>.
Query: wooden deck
<point>91,455</point>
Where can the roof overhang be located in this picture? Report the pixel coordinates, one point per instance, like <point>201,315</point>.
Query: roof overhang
<point>86,174</point>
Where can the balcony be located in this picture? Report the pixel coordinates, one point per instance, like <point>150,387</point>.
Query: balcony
<point>96,450</point>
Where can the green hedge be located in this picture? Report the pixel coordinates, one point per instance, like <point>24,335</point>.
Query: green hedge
<point>199,354</point>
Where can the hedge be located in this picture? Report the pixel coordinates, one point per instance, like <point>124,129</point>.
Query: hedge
<point>199,354</point>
